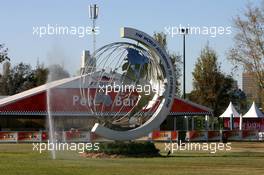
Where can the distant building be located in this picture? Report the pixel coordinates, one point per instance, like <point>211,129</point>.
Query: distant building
<point>87,62</point>
<point>250,87</point>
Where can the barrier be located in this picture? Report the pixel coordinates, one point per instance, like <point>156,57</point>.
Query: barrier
<point>232,135</point>
<point>76,136</point>
<point>167,136</point>
<point>196,136</point>
<point>214,135</point>
<point>161,135</point>
<point>29,136</point>
<point>164,136</point>
<point>44,136</point>
<point>8,136</point>
<point>174,136</point>
<point>249,135</point>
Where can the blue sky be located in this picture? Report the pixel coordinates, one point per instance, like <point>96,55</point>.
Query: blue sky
<point>19,17</point>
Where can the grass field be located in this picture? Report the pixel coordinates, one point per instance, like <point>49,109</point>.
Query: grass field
<point>244,158</point>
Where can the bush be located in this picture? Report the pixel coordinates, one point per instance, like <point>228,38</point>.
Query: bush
<point>129,148</point>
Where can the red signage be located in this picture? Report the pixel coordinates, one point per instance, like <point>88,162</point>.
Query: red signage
<point>29,136</point>
<point>247,123</point>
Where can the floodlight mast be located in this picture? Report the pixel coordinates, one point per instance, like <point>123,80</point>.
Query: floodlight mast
<point>93,15</point>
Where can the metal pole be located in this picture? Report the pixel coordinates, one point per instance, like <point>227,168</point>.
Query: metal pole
<point>192,122</point>
<point>93,14</point>
<point>184,93</point>
<point>187,123</point>
<point>206,122</point>
<point>94,41</point>
<point>240,122</point>
<point>231,122</point>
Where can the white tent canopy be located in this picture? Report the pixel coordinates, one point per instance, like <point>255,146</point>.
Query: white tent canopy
<point>230,110</point>
<point>253,112</point>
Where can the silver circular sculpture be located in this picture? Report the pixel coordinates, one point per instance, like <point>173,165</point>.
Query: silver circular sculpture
<point>129,86</point>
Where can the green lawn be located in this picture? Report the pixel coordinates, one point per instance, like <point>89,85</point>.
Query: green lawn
<point>245,158</point>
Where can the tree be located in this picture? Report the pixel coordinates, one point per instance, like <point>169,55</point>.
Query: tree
<point>40,74</point>
<point>21,77</point>
<point>211,87</point>
<point>4,78</point>
<point>239,100</point>
<point>57,72</point>
<point>3,53</point>
<point>161,38</point>
<point>248,49</point>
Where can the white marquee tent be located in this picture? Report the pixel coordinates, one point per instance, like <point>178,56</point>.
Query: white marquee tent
<point>253,112</point>
<point>230,110</point>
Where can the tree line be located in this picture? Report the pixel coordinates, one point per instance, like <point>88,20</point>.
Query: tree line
<point>21,77</point>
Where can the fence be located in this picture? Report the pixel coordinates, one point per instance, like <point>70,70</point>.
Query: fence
<point>166,136</point>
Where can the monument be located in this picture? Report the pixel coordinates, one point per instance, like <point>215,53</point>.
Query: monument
<point>131,88</point>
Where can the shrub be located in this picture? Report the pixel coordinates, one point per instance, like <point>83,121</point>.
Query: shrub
<point>129,148</point>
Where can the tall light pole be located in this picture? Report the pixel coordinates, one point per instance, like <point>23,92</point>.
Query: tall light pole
<point>93,15</point>
<point>184,32</point>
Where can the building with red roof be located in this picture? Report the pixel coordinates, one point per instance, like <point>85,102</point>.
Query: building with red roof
<point>28,110</point>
